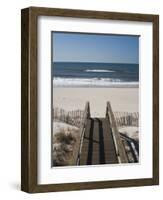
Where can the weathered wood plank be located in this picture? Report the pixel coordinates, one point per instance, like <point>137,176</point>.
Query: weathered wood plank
<point>120,151</point>
<point>98,145</point>
<point>83,124</point>
<point>109,147</point>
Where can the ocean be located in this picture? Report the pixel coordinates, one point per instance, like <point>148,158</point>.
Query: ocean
<point>89,74</point>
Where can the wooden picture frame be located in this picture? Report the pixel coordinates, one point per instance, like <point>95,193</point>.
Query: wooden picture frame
<point>29,87</point>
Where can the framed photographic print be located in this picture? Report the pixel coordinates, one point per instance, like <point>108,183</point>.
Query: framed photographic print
<point>90,99</point>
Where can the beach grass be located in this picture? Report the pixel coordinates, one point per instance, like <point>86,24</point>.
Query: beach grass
<point>64,146</point>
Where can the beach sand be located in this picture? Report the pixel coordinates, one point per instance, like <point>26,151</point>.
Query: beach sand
<point>121,99</point>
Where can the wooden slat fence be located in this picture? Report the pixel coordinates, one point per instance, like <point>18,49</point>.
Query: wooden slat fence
<point>70,117</point>
<point>126,119</point>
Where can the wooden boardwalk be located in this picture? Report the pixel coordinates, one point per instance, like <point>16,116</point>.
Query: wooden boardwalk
<point>98,145</point>
<point>100,141</point>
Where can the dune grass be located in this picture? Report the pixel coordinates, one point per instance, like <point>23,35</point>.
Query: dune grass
<point>64,145</point>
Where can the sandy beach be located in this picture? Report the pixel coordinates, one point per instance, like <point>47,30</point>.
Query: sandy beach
<point>122,99</point>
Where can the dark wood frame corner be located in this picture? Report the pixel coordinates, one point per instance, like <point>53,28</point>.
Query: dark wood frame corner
<point>29,99</point>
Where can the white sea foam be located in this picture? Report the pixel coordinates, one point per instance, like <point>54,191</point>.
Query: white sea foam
<point>99,70</point>
<point>92,82</point>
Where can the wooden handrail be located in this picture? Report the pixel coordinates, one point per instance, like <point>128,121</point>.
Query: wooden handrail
<point>120,150</point>
<point>86,116</point>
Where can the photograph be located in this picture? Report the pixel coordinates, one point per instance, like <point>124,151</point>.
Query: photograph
<point>95,99</point>
<point>89,99</point>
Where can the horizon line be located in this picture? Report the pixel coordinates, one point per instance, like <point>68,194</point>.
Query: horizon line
<point>94,62</point>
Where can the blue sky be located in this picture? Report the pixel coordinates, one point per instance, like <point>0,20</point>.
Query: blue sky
<point>77,47</point>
